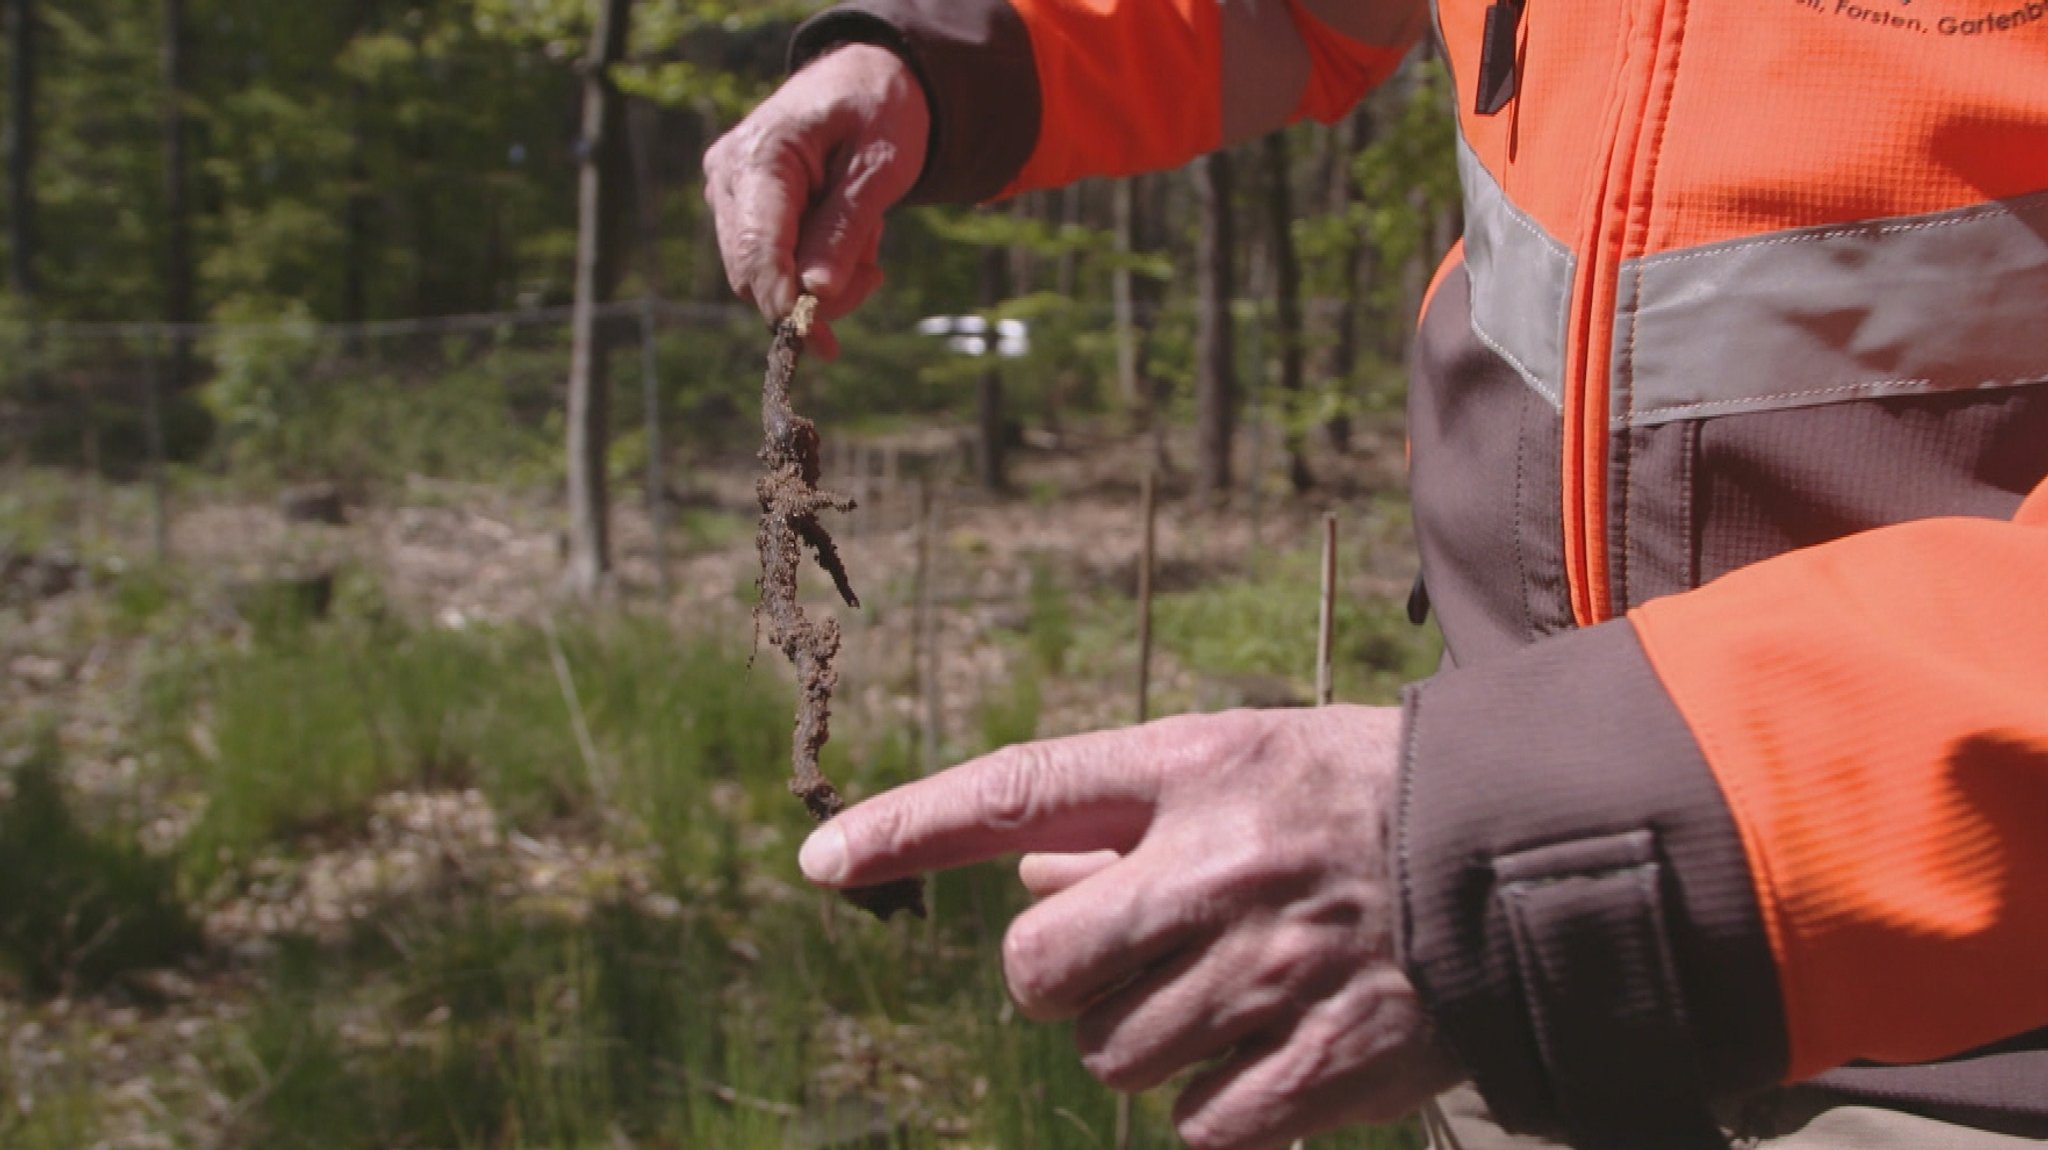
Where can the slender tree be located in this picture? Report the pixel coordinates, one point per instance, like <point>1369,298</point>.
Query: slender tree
<point>992,458</point>
<point>1354,270</point>
<point>357,203</point>
<point>21,147</point>
<point>179,273</point>
<point>1279,161</point>
<point>1124,300</point>
<point>1215,345</point>
<point>597,276</point>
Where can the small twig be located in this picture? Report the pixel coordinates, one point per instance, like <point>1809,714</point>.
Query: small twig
<point>734,1098</point>
<point>1147,557</point>
<point>1326,689</point>
<point>1435,1126</point>
<point>599,785</point>
<point>932,733</point>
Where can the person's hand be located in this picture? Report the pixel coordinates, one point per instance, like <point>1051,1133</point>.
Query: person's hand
<point>799,188</point>
<point>1211,888</point>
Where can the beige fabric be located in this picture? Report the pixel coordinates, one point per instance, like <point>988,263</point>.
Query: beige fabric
<point>1799,1121</point>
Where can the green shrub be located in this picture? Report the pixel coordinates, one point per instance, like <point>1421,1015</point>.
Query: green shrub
<point>1050,626</point>
<point>79,910</point>
<point>1266,625</point>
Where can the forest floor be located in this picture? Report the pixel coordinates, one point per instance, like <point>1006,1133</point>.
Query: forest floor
<point>359,836</point>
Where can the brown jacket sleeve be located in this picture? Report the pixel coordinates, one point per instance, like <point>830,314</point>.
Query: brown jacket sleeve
<point>1039,93</point>
<point>1577,909</point>
<point>1783,823</point>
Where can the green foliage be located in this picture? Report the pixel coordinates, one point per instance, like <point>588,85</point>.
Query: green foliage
<point>1050,625</point>
<point>1266,625</point>
<point>293,405</point>
<point>79,909</point>
<point>1012,717</point>
<point>142,597</point>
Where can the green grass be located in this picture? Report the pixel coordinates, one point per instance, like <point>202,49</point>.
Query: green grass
<point>752,1014</point>
<point>1265,624</point>
<point>48,1116</point>
<point>308,725</point>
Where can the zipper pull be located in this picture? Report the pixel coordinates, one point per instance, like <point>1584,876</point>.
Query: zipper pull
<point>1497,79</point>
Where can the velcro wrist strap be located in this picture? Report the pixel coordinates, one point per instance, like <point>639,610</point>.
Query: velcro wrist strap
<point>1578,914</point>
<point>1588,923</point>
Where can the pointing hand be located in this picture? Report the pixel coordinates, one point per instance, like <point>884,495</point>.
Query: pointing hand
<point>1213,889</point>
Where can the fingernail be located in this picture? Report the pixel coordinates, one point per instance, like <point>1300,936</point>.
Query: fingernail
<point>823,858</point>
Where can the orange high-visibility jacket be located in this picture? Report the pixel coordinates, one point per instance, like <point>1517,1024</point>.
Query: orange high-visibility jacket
<point>1730,425</point>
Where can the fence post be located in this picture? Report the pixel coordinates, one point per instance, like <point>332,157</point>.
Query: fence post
<point>1149,512</point>
<point>1256,466</point>
<point>657,489</point>
<point>153,418</point>
<point>1326,687</point>
<point>928,623</point>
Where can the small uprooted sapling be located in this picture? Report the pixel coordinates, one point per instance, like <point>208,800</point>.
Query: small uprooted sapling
<point>790,508</point>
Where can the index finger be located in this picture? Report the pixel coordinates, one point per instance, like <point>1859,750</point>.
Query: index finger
<point>1083,793</point>
<point>757,232</point>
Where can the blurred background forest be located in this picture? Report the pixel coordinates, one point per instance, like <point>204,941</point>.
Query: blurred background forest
<point>381,761</point>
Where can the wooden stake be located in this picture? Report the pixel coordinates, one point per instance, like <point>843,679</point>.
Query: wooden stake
<point>1326,689</point>
<point>1146,558</point>
<point>1326,626</point>
<point>1434,1124</point>
<point>159,486</point>
<point>650,414</point>
<point>928,623</point>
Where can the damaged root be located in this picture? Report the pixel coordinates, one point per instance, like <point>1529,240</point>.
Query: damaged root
<point>790,508</point>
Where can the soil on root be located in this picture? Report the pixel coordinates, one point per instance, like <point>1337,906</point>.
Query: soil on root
<point>790,508</point>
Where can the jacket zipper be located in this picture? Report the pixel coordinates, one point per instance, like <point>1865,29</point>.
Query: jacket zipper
<point>1616,222</point>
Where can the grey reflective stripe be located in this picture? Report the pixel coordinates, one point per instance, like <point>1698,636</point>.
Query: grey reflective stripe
<point>1521,281</point>
<point>1952,301</point>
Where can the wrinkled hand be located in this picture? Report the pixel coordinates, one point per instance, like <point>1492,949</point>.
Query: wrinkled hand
<point>1211,888</point>
<point>799,188</point>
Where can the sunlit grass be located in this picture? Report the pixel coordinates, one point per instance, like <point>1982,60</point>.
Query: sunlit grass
<point>748,1012</point>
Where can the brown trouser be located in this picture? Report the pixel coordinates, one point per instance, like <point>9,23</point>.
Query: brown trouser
<point>1794,1120</point>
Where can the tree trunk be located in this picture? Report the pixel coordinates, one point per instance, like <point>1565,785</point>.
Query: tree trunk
<point>355,217</point>
<point>1353,136</point>
<point>356,200</point>
<point>178,272</point>
<point>1129,388</point>
<point>991,435</point>
<point>1070,216</point>
<point>708,271</point>
<point>597,277</point>
<point>21,147</point>
<point>1215,347</point>
<point>646,138</point>
<point>1287,303</point>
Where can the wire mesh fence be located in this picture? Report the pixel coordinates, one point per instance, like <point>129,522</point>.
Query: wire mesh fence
<point>141,428</point>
